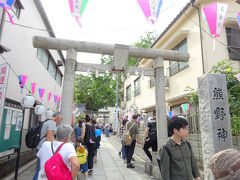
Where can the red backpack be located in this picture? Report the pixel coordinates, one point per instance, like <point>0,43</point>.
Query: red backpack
<point>55,168</point>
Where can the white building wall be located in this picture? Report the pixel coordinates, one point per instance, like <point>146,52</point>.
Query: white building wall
<point>188,77</point>
<point>220,53</point>
<point>23,56</point>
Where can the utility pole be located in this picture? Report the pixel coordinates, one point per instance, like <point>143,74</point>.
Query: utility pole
<point>116,105</point>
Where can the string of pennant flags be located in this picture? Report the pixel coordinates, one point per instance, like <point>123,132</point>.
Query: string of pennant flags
<point>185,107</point>
<point>214,13</point>
<point>41,91</point>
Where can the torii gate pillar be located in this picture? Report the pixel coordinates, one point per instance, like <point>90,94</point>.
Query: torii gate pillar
<point>121,53</point>
<point>68,85</point>
<point>160,102</point>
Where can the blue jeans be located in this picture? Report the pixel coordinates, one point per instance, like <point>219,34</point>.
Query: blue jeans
<point>37,170</point>
<point>123,152</point>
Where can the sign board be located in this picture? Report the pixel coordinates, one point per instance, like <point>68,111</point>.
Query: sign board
<point>215,123</point>
<point>3,86</point>
<point>11,128</point>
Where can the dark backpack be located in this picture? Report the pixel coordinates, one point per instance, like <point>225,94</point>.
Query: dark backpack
<point>153,132</point>
<point>90,138</point>
<point>32,137</point>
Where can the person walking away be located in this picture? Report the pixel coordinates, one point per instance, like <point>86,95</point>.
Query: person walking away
<point>122,128</point>
<point>110,128</point>
<point>82,154</point>
<point>88,135</point>
<point>77,132</point>
<point>47,134</point>
<point>134,134</point>
<point>98,139</point>
<point>177,161</point>
<point>150,137</point>
<point>106,130</point>
<point>225,165</point>
<point>67,151</point>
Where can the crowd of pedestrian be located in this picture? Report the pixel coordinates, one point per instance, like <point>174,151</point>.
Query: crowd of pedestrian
<point>177,161</point>
<point>78,155</point>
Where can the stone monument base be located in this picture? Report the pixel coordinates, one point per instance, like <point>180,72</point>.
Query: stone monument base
<point>152,170</point>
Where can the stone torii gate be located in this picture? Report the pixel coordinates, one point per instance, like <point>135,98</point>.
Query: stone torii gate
<point>120,57</point>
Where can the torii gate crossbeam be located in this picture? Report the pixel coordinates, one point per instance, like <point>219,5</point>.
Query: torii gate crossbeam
<point>120,56</point>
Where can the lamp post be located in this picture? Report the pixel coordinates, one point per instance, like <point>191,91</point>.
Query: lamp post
<point>116,107</point>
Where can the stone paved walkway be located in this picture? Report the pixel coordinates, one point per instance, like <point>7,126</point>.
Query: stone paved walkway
<point>109,166</point>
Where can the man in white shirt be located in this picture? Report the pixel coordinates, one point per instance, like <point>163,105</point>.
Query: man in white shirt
<point>67,151</point>
<point>47,134</point>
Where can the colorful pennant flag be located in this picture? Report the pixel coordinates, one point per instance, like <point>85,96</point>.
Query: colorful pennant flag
<point>49,95</point>
<point>130,114</point>
<point>32,87</point>
<point>138,119</point>
<point>185,108</point>
<point>55,98</point>
<point>6,5</point>
<point>238,19</point>
<point>77,8</point>
<point>151,9</point>
<point>22,80</point>
<point>215,16</point>
<point>41,92</point>
<point>171,114</point>
<point>238,77</point>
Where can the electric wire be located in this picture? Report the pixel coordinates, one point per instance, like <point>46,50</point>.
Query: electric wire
<point>39,29</point>
<point>204,30</point>
<point>28,27</point>
<point>15,73</point>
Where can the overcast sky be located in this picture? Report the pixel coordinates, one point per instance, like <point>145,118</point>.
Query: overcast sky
<point>107,21</point>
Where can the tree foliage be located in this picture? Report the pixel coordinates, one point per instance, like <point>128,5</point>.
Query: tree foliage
<point>233,87</point>
<point>95,92</point>
<point>145,41</point>
<point>99,92</point>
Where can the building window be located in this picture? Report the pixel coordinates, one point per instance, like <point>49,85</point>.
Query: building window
<point>175,66</point>
<point>52,68</point>
<point>233,41</point>
<point>128,93</point>
<point>137,87</point>
<point>49,64</point>
<point>59,78</point>
<point>16,8</point>
<point>43,57</point>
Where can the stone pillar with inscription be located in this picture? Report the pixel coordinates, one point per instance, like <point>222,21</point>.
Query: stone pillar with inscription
<point>215,122</point>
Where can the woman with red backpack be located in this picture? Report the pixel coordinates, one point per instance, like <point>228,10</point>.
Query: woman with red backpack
<point>59,150</point>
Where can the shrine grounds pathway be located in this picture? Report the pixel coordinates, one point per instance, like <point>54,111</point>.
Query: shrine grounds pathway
<point>108,167</point>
